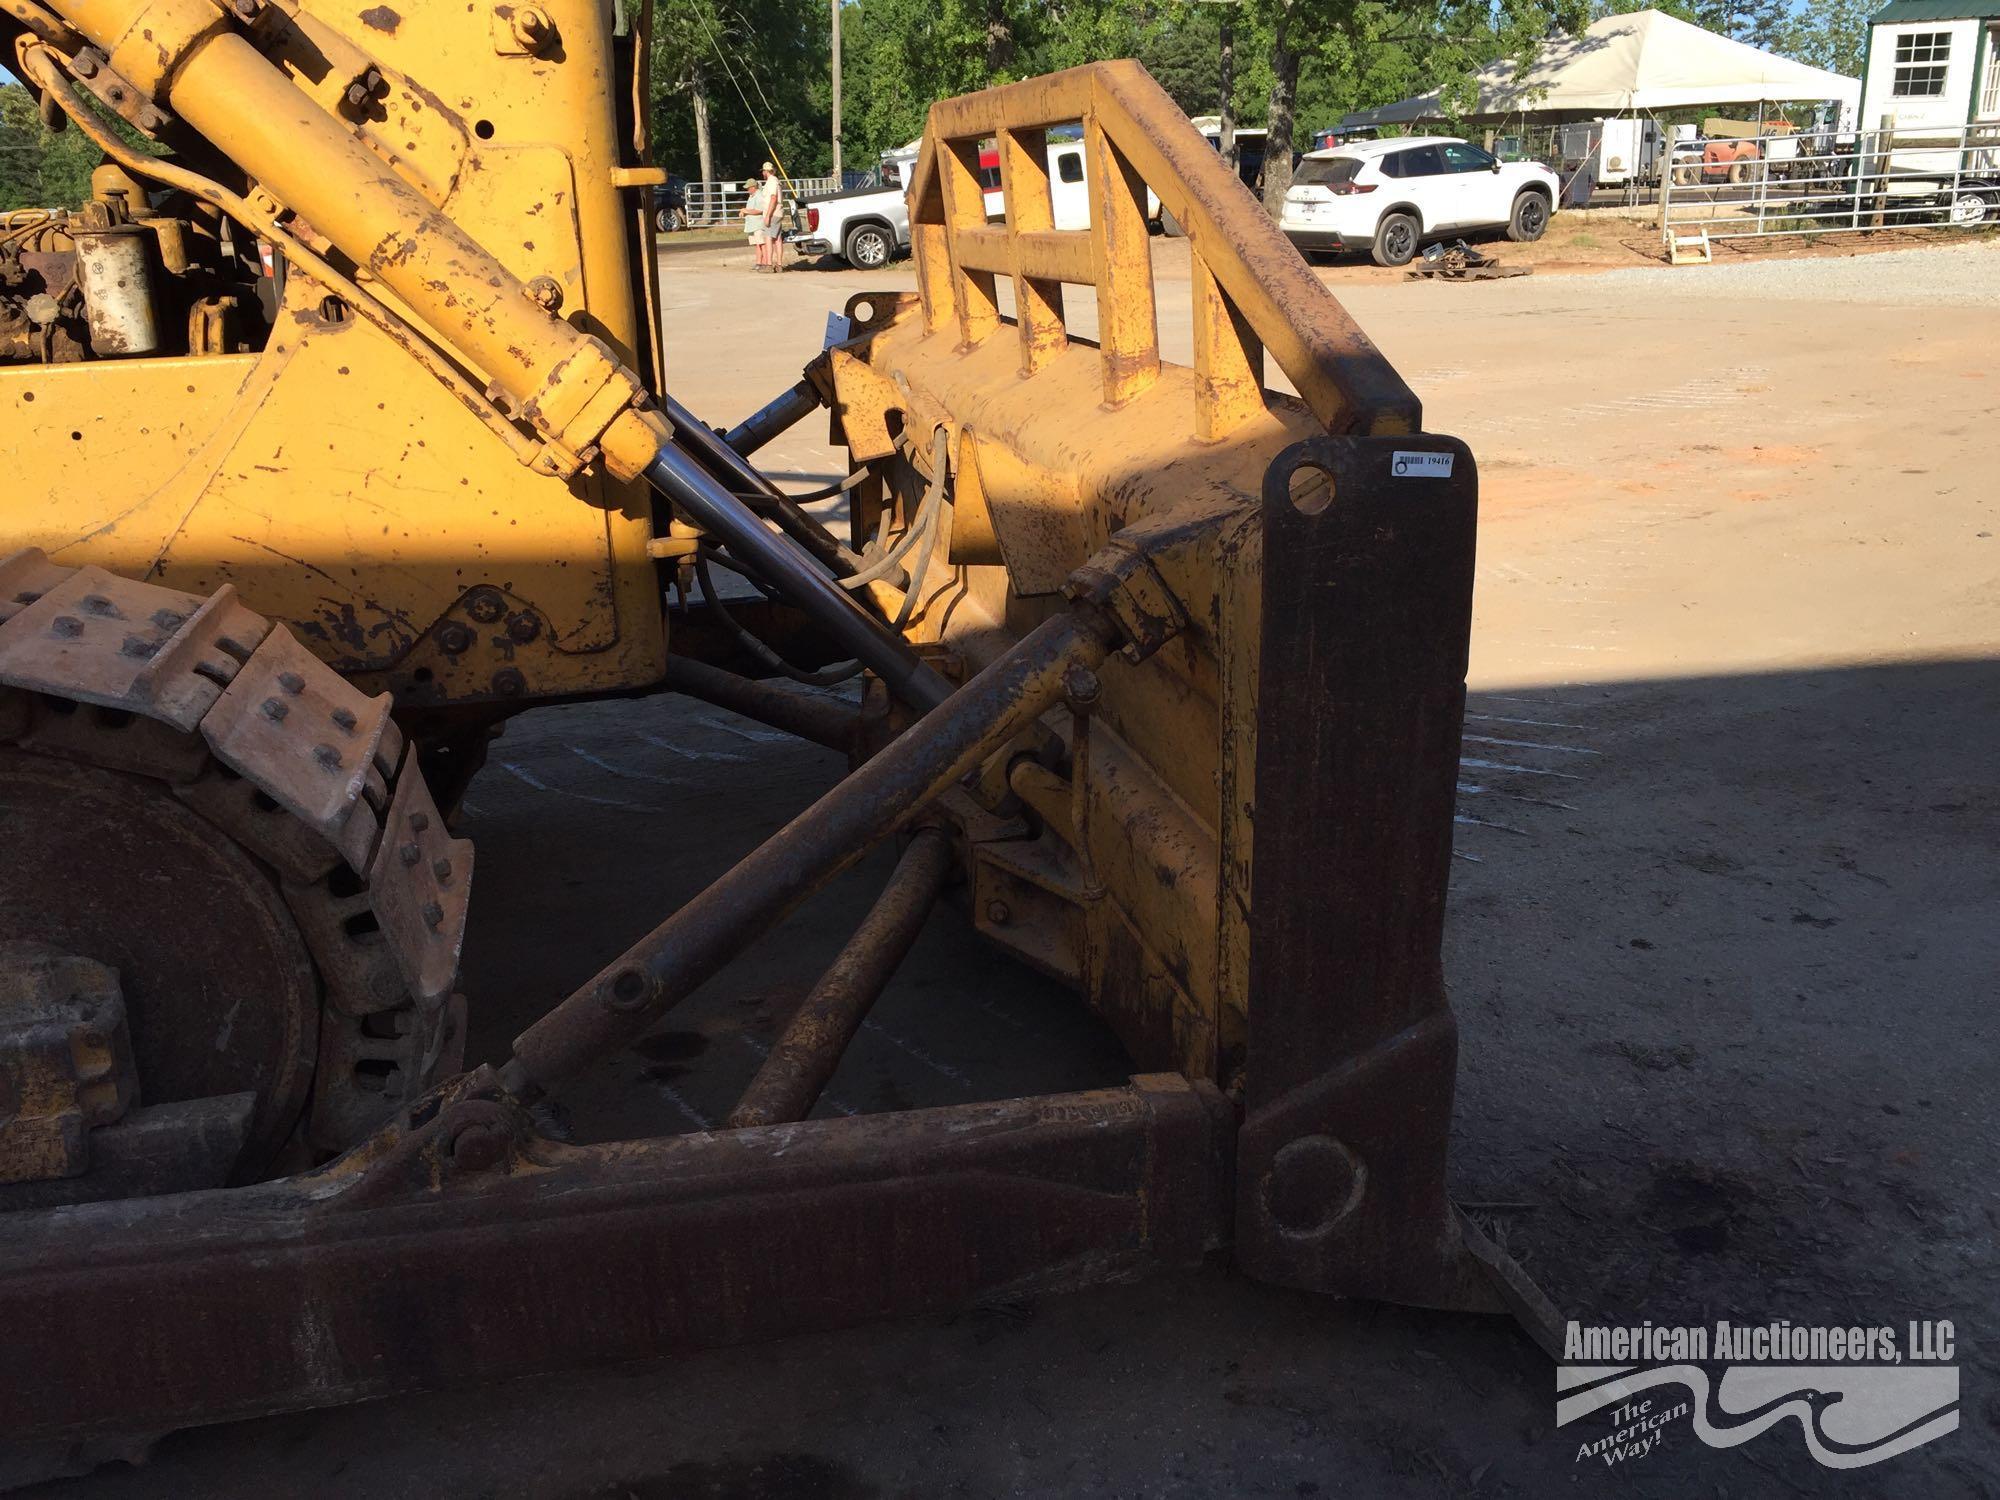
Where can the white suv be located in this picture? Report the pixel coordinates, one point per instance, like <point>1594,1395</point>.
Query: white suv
<point>1387,197</point>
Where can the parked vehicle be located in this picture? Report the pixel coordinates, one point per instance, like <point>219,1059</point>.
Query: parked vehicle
<point>1917,177</point>
<point>1736,151</point>
<point>1250,148</point>
<point>1729,161</point>
<point>670,204</point>
<point>1069,194</point>
<point>1327,140</point>
<point>1250,142</point>
<point>1516,148</point>
<point>894,167</point>
<point>1388,197</point>
<point>1610,151</point>
<point>866,227</point>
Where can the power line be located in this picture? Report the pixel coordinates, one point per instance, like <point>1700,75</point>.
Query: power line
<point>730,73</point>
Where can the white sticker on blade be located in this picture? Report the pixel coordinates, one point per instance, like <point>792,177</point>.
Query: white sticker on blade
<point>1423,465</point>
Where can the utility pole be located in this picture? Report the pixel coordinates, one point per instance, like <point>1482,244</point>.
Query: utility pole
<point>834,7</point>
<point>1228,126</point>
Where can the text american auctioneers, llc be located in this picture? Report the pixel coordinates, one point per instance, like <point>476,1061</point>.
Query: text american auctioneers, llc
<point>1860,1395</point>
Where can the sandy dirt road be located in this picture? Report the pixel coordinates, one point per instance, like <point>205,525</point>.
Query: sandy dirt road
<point>1724,942</point>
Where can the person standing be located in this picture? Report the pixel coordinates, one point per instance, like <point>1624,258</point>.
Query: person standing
<point>774,218</point>
<point>760,220</point>
<point>753,221</point>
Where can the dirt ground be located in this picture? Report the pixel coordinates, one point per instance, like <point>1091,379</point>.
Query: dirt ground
<point>1723,942</point>
<point>1607,239</point>
<point>1577,242</point>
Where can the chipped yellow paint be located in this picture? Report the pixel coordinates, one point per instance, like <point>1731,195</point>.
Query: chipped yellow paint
<point>1140,895</point>
<point>339,487</point>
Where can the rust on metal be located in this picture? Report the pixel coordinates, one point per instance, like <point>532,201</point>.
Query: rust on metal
<point>190,1306</point>
<point>328,748</point>
<point>788,1084</point>
<point>419,883</point>
<point>97,638</point>
<point>1157,630</point>
<point>181,1147</point>
<point>114,268</point>
<point>1136,137</point>
<point>1352,1044</point>
<point>807,715</point>
<point>65,1060</point>
<point>255,958</point>
<point>217,989</point>
<point>635,990</point>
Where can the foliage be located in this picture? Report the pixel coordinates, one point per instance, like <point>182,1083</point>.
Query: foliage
<point>1370,52</point>
<point>762,66</point>
<point>901,55</point>
<point>1829,34</point>
<point>40,168</point>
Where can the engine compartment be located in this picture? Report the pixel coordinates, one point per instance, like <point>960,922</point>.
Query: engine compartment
<point>134,271</point>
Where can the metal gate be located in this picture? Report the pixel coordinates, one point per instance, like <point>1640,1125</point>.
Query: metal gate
<point>719,204</point>
<point>1812,184</point>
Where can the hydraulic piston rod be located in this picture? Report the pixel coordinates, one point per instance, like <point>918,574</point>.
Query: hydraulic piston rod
<point>215,78</point>
<point>744,478</point>
<point>757,429</point>
<point>780,563</point>
<point>635,990</point>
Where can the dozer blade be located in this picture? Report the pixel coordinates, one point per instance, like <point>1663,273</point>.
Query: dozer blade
<point>1244,866</point>
<point>1209,645</point>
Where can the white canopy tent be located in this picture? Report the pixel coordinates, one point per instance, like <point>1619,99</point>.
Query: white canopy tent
<point>1642,63</point>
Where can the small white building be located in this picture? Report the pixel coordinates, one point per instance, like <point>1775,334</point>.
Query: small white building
<point>1932,64</point>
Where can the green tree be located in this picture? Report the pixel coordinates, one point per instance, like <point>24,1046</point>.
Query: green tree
<point>899,56</point>
<point>1831,34</point>
<point>20,151</point>
<point>39,167</point>
<point>1183,53</point>
<point>737,81</point>
<point>1372,53</point>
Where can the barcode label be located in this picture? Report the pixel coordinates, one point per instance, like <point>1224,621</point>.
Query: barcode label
<point>1422,465</point>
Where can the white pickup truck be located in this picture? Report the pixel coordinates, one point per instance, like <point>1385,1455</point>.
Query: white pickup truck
<point>866,227</point>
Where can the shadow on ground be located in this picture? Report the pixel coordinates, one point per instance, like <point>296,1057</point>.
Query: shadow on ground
<point>1725,968</point>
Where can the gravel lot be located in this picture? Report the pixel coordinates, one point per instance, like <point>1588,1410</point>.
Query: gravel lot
<point>1959,275</point>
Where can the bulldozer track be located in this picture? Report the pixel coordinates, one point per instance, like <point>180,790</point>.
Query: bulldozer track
<point>208,703</point>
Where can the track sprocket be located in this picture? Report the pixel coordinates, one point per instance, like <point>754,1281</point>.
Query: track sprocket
<point>192,797</point>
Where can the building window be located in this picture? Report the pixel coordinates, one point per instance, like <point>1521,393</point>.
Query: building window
<point>1989,101</point>
<point>1921,59</point>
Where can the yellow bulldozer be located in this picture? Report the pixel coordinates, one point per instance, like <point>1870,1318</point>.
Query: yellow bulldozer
<point>337,431</point>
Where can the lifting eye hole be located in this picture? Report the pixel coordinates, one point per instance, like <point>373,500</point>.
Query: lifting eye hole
<point>483,129</point>
<point>1311,489</point>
